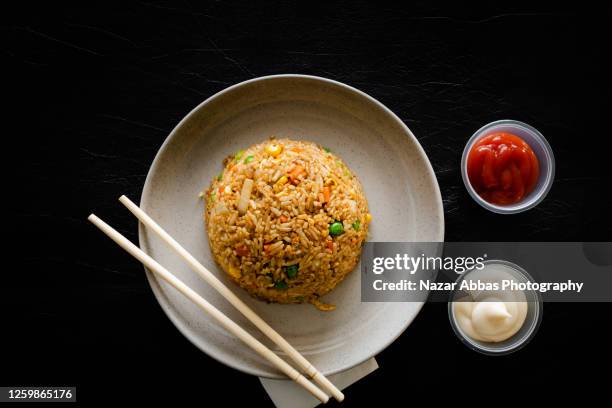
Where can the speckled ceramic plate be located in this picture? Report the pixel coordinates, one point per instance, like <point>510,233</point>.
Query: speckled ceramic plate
<point>399,183</point>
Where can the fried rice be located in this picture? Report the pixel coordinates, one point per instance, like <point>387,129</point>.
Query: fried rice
<point>286,221</point>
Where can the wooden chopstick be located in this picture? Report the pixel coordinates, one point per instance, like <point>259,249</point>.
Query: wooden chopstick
<point>209,277</point>
<point>225,321</point>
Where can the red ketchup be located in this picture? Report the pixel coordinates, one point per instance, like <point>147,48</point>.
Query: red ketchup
<point>502,168</point>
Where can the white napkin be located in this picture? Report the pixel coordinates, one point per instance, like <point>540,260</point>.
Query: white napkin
<point>287,394</point>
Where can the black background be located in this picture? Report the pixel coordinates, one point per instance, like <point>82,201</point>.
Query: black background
<point>94,89</point>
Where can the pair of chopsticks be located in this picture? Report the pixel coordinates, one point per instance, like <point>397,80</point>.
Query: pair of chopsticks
<point>225,321</point>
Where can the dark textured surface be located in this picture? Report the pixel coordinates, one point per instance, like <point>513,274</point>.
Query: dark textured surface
<point>98,89</point>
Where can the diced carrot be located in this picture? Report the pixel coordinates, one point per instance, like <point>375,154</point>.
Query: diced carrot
<point>220,189</point>
<point>326,194</point>
<point>329,244</point>
<point>283,219</point>
<point>242,250</point>
<point>296,149</point>
<point>295,173</point>
<point>298,169</point>
<point>266,248</point>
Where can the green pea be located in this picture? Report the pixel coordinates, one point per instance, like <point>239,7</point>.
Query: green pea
<point>249,159</point>
<point>336,229</point>
<point>280,285</point>
<point>239,155</point>
<point>356,225</point>
<point>291,271</point>
<point>327,149</point>
<point>220,176</point>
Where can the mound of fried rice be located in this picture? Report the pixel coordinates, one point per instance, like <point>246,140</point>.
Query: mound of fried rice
<point>286,221</point>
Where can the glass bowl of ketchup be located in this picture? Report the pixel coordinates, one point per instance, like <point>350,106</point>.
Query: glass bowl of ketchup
<point>508,167</point>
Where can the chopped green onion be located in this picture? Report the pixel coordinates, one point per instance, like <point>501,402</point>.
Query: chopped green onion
<point>239,155</point>
<point>336,229</point>
<point>220,176</point>
<point>249,159</point>
<point>213,197</point>
<point>356,225</point>
<point>291,271</point>
<point>281,285</point>
<point>327,149</point>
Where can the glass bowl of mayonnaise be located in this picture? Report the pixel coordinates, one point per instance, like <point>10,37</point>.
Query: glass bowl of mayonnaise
<point>491,311</point>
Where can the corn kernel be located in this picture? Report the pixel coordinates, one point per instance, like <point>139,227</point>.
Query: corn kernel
<point>368,218</point>
<point>331,182</point>
<point>280,183</point>
<point>274,149</point>
<point>234,272</point>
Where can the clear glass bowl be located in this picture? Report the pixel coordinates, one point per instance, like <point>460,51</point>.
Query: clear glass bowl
<point>540,147</point>
<point>525,333</point>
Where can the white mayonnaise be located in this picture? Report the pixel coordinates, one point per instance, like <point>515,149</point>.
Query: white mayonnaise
<point>490,315</point>
<point>490,319</point>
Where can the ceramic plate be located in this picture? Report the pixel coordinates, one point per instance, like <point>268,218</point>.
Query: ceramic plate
<point>399,183</point>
